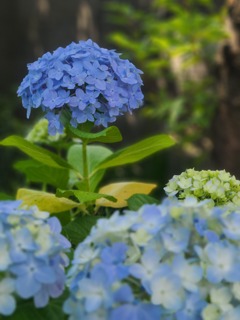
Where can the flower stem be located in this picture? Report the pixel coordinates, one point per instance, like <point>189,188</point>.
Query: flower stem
<point>85,165</point>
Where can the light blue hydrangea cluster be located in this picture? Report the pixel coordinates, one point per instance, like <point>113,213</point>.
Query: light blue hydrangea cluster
<point>176,261</point>
<point>93,83</point>
<point>32,258</point>
<point>218,185</point>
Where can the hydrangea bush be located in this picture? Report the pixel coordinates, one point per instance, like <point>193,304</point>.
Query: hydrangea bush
<point>177,260</point>
<point>32,256</point>
<point>219,186</point>
<point>80,88</point>
<point>93,83</point>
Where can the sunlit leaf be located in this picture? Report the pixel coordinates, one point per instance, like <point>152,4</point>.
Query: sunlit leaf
<point>45,201</point>
<point>123,191</point>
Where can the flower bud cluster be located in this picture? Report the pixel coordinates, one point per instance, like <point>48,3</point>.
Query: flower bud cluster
<point>219,186</point>
<point>39,133</point>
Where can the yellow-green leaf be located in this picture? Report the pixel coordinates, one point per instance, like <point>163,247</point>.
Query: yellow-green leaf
<point>45,201</point>
<point>122,191</point>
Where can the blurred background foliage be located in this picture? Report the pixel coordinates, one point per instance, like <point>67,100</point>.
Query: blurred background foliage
<point>188,50</point>
<point>175,43</point>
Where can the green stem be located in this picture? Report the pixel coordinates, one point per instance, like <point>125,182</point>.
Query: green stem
<point>85,165</point>
<point>44,187</point>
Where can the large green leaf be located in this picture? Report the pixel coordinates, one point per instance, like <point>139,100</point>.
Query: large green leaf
<point>40,154</point>
<point>27,311</point>
<point>84,196</point>
<point>95,155</point>
<point>77,230</point>
<point>38,172</point>
<point>108,135</point>
<point>64,217</point>
<point>137,200</point>
<point>137,151</point>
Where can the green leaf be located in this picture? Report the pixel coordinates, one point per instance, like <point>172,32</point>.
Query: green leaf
<point>137,151</point>
<point>108,135</point>
<point>64,217</point>
<point>95,155</point>
<point>40,154</point>
<point>4,196</point>
<point>84,196</point>
<point>37,172</point>
<point>137,200</point>
<point>27,311</point>
<point>95,179</point>
<point>77,230</point>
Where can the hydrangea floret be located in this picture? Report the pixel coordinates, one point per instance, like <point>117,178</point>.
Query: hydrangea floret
<point>33,256</point>
<point>179,260</point>
<point>219,186</point>
<point>94,84</point>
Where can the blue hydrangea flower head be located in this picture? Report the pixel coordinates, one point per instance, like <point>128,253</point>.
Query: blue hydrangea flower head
<point>182,263</point>
<point>94,84</point>
<point>33,256</point>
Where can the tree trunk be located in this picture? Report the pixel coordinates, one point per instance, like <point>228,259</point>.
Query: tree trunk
<point>226,125</point>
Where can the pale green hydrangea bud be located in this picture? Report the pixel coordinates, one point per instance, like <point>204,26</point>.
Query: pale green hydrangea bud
<point>184,183</point>
<point>221,296</point>
<point>141,237</point>
<point>211,312</point>
<point>39,133</point>
<point>218,185</point>
<point>236,199</point>
<point>236,290</point>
